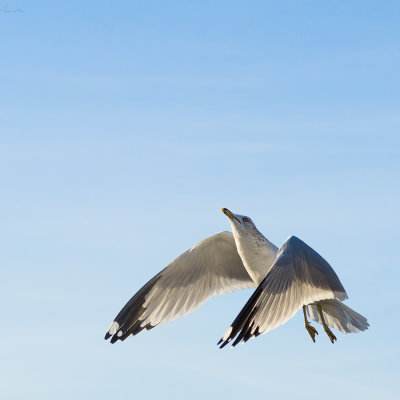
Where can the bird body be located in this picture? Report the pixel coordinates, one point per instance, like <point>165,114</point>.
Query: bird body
<point>287,279</point>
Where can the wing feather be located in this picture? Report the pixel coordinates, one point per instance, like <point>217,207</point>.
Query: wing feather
<point>211,267</point>
<point>299,276</point>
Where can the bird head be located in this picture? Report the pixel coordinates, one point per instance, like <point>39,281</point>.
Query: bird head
<point>241,225</point>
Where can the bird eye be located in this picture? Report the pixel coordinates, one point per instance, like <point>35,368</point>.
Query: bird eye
<point>245,219</point>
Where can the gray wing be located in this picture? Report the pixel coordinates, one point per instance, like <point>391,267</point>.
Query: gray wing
<point>299,276</point>
<point>212,267</point>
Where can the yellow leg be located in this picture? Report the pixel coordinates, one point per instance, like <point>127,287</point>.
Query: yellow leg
<point>331,336</point>
<point>310,329</point>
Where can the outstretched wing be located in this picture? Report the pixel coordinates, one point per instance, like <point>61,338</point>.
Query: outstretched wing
<point>212,267</point>
<point>299,276</point>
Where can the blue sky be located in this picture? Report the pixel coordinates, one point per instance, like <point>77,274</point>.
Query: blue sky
<point>126,126</point>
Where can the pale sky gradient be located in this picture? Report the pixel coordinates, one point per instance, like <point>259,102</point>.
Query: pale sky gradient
<point>125,126</point>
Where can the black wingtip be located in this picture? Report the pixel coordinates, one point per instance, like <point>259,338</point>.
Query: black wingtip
<point>107,336</point>
<point>114,339</point>
<point>224,343</point>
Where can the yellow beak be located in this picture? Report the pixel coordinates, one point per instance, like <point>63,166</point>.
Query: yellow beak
<point>229,214</point>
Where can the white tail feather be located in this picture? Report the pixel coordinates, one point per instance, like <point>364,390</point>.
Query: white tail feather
<point>338,316</point>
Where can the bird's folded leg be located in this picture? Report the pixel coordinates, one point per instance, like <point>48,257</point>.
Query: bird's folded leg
<point>330,334</point>
<point>310,329</point>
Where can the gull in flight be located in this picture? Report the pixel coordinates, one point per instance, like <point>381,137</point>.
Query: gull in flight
<point>287,279</point>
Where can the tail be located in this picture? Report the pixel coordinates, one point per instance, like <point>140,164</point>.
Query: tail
<point>338,316</point>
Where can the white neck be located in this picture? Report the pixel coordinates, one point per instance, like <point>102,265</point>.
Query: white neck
<point>257,253</point>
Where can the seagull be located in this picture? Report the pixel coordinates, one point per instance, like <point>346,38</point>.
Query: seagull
<point>286,280</point>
